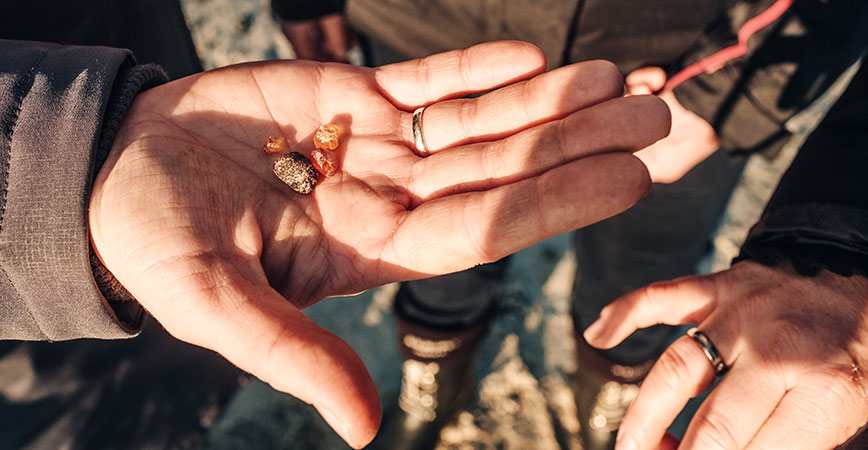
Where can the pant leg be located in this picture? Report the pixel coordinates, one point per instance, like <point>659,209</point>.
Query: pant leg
<point>662,237</point>
<point>456,300</point>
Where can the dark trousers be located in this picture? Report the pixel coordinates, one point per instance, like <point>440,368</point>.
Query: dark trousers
<point>664,236</point>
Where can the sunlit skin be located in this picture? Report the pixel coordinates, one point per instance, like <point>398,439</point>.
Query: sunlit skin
<point>190,218</point>
<point>796,347</point>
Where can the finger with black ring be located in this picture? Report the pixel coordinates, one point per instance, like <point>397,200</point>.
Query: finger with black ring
<point>681,373</point>
<point>734,411</point>
<point>622,124</point>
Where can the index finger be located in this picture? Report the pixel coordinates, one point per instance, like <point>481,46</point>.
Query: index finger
<point>681,301</point>
<point>483,67</point>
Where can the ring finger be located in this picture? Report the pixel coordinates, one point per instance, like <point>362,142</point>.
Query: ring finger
<point>682,372</point>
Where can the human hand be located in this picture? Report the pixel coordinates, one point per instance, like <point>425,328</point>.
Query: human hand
<point>326,39</point>
<point>189,217</point>
<point>690,141</point>
<point>795,347</point>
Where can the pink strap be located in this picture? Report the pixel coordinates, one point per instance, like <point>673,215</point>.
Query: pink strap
<point>714,62</point>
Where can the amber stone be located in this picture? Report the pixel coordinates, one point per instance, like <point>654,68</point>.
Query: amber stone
<point>297,172</point>
<point>326,137</point>
<point>273,145</point>
<point>324,161</point>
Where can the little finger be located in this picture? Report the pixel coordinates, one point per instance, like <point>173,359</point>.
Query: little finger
<point>814,417</point>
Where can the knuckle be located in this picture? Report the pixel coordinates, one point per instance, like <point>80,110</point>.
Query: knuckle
<point>657,290</point>
<point>839,392</point>
<point>481,247</point>
<point>673,365</point>
<point>714,432</point>
<point>468,112</point>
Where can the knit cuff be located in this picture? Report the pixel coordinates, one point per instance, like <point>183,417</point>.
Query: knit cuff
<point>130,82</point>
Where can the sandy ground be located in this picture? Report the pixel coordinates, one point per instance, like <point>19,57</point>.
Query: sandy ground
<point>524,399</point>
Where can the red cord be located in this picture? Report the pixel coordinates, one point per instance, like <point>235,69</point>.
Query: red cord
<point>714,62</point>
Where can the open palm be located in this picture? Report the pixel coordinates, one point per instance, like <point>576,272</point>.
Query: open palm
<point>189,217</point>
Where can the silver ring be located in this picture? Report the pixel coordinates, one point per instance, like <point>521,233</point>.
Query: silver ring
<point>709,350</point>
<point>421,148</point>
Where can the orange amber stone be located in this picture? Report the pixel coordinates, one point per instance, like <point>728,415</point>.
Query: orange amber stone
<point>324,161</point>
<point>273,145</point>
<point>326,137</point>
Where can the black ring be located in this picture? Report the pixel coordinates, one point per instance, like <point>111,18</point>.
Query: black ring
<point>709,350</point>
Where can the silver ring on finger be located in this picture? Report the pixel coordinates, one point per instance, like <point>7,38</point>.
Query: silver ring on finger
<point>418,138</point>
<point>709,350</point>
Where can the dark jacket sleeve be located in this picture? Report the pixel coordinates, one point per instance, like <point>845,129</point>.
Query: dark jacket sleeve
<point>59,109</point>
<point>787,64</point>
<point>818,216</point>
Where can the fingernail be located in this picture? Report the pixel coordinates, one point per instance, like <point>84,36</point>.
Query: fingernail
<point>594,331</point>
<point>627,443</point>
<point>340,427</point>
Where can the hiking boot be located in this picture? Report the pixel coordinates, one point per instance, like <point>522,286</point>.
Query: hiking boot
<point>437,382</point>
<point>603,390</point>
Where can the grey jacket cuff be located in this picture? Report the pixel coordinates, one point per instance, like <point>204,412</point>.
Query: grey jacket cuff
<point>52,109</point>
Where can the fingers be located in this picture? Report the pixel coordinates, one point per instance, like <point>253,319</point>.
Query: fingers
<point>682,301</point>
<point>255,328</point>
<point>822,416</point>
<point>459,231</point>
<point>681,373</point>
<point>731,415</point>
<point>619,124</point>
<point>457,73</point>
<point>520,105</point>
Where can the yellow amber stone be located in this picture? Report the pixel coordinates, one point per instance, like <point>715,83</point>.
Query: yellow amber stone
<point>326,137</point>
<point>273,145</point>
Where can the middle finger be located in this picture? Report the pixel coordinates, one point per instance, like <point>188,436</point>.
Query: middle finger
<point>622,124</point>
<point>737,407</point>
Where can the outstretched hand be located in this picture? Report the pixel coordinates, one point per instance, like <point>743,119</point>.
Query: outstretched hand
<point>189,217</point>
<point>691,140</point>
<point>796,347</point>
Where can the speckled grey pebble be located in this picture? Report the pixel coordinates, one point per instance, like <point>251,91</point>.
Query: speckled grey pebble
<point>297,172</point>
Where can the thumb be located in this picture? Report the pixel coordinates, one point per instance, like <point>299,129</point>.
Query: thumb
<point>645,81</point>
<point>257,329</point>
